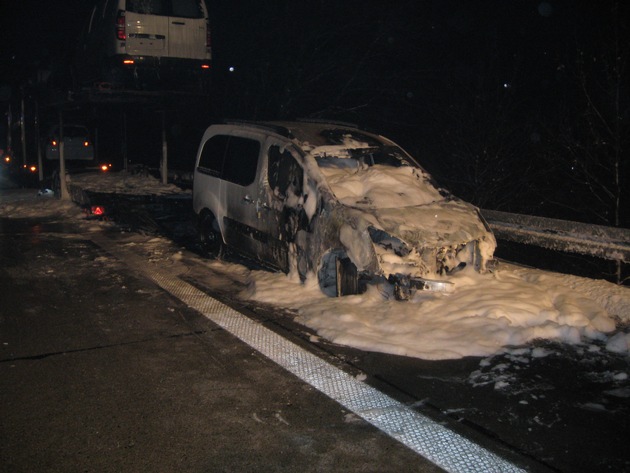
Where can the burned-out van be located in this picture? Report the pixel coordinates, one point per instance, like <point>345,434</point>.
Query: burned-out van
<point>145,44</point>
<point>347,206</point>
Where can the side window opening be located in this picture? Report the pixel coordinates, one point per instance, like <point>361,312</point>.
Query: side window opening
<point>284,174</point>
<point>241,160</point>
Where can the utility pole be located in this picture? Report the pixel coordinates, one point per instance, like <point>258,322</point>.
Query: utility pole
<point>63,185</point>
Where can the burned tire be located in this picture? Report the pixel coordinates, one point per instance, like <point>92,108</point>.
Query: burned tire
<point>210,238</point>
<point>337,275</point>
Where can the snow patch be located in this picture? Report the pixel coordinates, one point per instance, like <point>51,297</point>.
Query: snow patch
<point>619,343</point>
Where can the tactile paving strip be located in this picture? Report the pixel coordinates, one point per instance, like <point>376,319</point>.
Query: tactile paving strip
<point>428,438</point>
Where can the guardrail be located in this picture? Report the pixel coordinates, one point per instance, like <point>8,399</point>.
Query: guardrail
<point>609,243</point>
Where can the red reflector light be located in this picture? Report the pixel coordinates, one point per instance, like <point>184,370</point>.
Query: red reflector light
<point>97,210</point>
<point>86,143</point>
<point>205,66</point>
<point>105,167</point>
<point>121,34</point>
<point>128,61</point>
<point>53,142</point>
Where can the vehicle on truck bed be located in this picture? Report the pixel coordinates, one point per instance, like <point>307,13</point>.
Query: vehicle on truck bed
<point>145,45</point>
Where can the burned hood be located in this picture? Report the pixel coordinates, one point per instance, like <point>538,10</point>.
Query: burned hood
<point>404,202</point>
<point>446,223</point>
<point>379,186</point>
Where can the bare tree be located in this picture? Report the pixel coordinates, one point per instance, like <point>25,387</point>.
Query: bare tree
<point>595,134</point>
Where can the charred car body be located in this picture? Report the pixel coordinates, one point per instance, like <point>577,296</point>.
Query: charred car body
<point>335,201</point>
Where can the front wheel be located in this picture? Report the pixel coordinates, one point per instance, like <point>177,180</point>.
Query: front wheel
<point>338,275</point>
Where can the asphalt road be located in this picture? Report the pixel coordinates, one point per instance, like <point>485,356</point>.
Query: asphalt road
<point>101,370</point>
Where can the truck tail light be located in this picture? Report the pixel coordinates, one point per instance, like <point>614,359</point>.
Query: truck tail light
<point>121,32</point>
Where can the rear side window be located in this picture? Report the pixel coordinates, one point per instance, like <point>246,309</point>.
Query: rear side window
<point>179,8</point>
<point>212,155</point>
<point>232,158</point>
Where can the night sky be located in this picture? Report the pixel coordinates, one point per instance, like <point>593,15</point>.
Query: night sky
<point>531,32</point>
<point>500,99</point>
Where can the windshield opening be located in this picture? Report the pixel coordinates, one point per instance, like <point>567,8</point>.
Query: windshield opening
<point>355,157</point>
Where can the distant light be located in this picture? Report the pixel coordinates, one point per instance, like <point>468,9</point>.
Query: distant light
<point>231,68</point>
<point>507,85</point>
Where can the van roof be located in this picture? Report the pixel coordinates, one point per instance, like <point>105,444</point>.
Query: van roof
<point>315,132</point>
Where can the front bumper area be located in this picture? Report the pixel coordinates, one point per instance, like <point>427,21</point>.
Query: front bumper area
<point>406,286</point>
